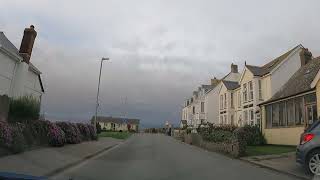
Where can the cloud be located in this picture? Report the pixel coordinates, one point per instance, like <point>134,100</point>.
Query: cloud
<point>160,50</point>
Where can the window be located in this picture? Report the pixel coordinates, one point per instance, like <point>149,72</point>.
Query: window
<point>250,90</point>
<point>244,91</point>
<point>221,119</point>
<point>258,119</point>
<point>193,110</point>
<point>221,102</point>
<point>282,114</point>
<point>225,100</point>
<point>298,111</point>
<point>239,99</point>
<point>310,98</point>
<point>202,106</point>
<point>269,116</point>
<point>245,116</point>
<point>251,115</point>
<point>231,100</point>
<point>275,115</point>
<point>260,89</point>
<point>232,120</point>
<point>225,119</point>
<point>290,112</point>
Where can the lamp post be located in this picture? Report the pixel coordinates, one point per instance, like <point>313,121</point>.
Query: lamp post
<point>97,101</point>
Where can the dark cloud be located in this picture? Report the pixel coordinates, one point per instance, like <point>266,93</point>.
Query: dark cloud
<point>160,50</point>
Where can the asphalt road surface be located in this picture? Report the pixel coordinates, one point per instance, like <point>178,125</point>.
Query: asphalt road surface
<point>156,156</point>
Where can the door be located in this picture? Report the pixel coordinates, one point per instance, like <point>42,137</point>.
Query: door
<point>311,114</point>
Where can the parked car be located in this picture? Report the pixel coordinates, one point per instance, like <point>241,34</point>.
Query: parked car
<point>308,150</point>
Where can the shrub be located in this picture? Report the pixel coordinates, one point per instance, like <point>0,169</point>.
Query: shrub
<point>85,131</point>
<point>18,141</point>
<point>218,136</point>
<point>93,132</point>
<point>253,135</point>
<point>39,131</point>
<point>56,137</point>
<point>72,133</point>
<point>98,128</point>
<point>5,134</point>
<point>24,109</point>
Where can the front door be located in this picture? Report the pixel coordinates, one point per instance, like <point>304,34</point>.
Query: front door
<point>311,114</point>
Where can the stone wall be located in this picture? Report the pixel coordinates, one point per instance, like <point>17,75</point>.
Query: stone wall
<point>4,107</point>
<point>233,148</point>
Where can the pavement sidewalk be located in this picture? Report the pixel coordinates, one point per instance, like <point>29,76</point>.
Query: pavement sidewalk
<point>50,160</point>
<point>284,163</point>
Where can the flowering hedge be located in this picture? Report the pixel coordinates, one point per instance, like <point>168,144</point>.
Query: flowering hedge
<point>72,133</point>
<point>93,132</point>
<point>5,134</point>
<point>56,137</point>
<point>85,131</point>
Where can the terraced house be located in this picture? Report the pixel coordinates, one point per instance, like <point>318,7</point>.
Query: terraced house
<point>294,107</point>
<point>260,83</point>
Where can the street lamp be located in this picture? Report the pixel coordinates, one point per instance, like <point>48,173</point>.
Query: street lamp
<point>97,102</point>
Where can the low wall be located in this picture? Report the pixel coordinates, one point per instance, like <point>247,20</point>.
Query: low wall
<point>233,148</point>
<point>283,136</point>
<point>4,107</point>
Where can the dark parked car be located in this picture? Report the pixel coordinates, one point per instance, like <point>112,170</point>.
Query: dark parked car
<point>308,151</point>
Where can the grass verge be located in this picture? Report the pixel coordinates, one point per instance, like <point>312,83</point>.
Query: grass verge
<point>269,149</point>
<point>116,135</point>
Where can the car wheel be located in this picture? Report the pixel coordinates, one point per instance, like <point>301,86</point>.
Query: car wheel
<point>313,163</point>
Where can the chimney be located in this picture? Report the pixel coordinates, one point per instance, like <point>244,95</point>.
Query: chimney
<point>305,56</point>
<point>234,68</point>
<point>27,42</point>
<point>214,81</point>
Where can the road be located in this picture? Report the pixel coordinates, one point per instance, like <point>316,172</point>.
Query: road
<point>155,156</point>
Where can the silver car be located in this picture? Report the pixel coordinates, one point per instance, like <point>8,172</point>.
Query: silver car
<point>308,151</point>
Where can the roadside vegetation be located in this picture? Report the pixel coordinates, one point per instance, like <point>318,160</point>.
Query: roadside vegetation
<point>24,129</point>
<point>116,135</point>
<point>269,149</point>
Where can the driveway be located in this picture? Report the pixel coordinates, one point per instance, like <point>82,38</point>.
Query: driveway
<point>155,156</point>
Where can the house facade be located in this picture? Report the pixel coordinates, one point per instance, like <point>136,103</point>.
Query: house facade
<point>18,76</point>
<point>202,107</point>
<point>118,124</point>
<point>260,83</point>
<point>294,107</point>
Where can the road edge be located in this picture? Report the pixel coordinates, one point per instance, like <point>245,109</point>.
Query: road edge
<point>66,167</point>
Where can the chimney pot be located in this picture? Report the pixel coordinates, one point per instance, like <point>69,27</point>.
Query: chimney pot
<point>29,35</point>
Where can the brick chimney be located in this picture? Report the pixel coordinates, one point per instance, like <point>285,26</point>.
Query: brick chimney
<point>27,42</point>
<point>234,68</point>
<point>214,81</point>
<point>305,56</point>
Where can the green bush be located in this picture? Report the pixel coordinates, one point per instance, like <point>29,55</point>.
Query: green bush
<point>24,109</point>
<point>253,135</point>
<point>218,136</point>
<point>98,128</point>
<point>18,141</point>
<point>39,130</point>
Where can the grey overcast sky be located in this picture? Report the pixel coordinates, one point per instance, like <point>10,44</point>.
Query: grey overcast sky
<point>161,50</point>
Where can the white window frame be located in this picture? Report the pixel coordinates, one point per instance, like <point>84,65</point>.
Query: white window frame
<point>250,87</point>
<point>260,89</point>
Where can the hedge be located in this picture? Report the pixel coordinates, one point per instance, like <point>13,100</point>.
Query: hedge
<point>17,137</point>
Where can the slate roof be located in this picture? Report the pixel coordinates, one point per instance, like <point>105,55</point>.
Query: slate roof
<point>267,68</point>
<point>116,120</point>
<point>300,81</point>
<point>4,42</point>
<point>231,85</point>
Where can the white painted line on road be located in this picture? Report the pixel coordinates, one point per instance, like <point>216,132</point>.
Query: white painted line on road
<point>61,175</point>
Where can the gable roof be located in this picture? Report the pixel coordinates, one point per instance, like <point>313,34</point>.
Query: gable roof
<point>4,42</point>
<point>267,68</point>
<point>231,85</point>
<point>300,81</point>
<point>116,120</point>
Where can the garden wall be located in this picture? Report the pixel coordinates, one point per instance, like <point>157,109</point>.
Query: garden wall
<point>4,107</point>
<point>233,147</point>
